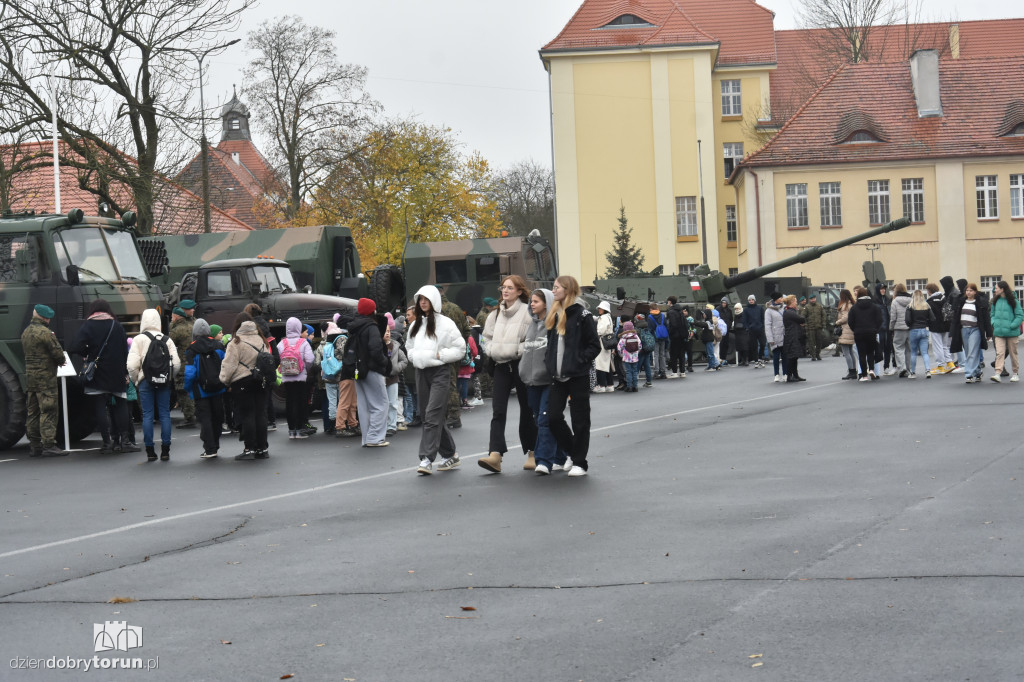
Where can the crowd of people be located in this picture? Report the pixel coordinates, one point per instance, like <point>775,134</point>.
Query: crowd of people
<point>372,375</point>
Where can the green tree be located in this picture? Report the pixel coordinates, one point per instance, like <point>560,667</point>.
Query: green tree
<point>624,260</point>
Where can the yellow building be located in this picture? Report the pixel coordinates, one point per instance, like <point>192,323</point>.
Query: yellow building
<point>636,84</point>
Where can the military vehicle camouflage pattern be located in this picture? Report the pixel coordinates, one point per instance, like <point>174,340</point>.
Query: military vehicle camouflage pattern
<point>472,269</point>
<point>65,262</point>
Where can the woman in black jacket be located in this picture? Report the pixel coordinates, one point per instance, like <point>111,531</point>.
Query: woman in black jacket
<point>865,320</point>
<point>102,339</point>
<point>572,346</point>
<point>792,339</point>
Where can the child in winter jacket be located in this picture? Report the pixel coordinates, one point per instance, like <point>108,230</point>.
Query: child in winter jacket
<point>629,348</point>
<point>465,372</point>
<point>202,382</point>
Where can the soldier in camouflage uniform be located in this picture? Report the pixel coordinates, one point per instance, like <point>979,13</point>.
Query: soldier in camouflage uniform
<point>181,334</point>
<point>456,315</point>
<point>43,355</point>
<point>814,315</point>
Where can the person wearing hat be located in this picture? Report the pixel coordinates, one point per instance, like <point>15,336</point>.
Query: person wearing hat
<point>725,312</point>
<point>657,324</point>
<point>181,335</point>
<point>814,314</point>
<point>43,355</point>
<point>753,320</point>
<point>775,333</point>
<point>740,336</point>
<point>206,354</point>
<point>629,347</point>
<point>489,305</point>
<point>603,362</point>
<point>372,367</point>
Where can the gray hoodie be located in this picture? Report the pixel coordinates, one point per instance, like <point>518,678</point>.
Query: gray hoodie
<point>532,370</point>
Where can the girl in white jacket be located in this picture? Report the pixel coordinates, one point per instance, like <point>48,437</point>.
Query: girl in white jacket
<point>433,345</point>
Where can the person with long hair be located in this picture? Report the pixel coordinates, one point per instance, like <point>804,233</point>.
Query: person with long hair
<point>503,336</point>
<point>969,329</point>
<point>1007,317</point>
<point>865,319</point>
<point>898,329</point>
<point>775,333</point>
<point>573,344</point>
<point>792,342</point>
<point>248,394</point>
<point>845,341</point>
<point>917,316</point>
<point>434,343</point>
<point>534,373</point>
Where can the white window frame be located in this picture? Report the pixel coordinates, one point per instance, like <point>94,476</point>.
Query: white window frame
<point>878,202</point>
<point>989,282</point>
<point>987,192</point>
<point>831,203</point>
<point>687,269</point>
<point>916,284</point>
<point>732,152</point>
<point>1018,286</point>
<point>1017,195</point>
<point>686,216</point>
<point>732,98</point>
<point>796,205</point>
<point>731,224</point>
<point>838,286</point>
<point>913,199</point>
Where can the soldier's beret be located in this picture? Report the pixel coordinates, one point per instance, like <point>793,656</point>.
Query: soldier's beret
<point>44,311</point>
<point>215,329</point>
<point>178,311</point>
<point>490,301</point>
<point>187,304</point>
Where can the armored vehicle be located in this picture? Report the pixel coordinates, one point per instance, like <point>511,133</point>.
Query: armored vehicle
<point>471,269</point>
<point>65,262</point>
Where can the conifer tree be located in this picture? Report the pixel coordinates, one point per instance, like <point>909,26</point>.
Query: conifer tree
<point>624,260</point>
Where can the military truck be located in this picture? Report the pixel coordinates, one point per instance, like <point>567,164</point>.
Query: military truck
<point>65,262</point>
<point>470,270</point>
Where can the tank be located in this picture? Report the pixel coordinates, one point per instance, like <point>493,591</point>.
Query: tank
<point>65,262</point>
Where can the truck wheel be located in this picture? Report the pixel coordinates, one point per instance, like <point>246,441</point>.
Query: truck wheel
<point>82,421</point>
<point>12,408</point>
<point>387,287</point>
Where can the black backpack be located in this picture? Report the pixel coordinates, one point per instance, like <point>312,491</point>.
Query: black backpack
<point>156,366</point>
<point>263,371</point>
<point>209,372</point>
<point>350,359</point>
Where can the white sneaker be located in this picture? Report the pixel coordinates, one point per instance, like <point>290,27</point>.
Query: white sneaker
<point>577,471</point>
<point>958,370</point>
<point>865,379</point>
<point>542,469</point>
<point>995,378</point>
<point>889,372</point>
<point>562,467</point>
<point>450,463</point>
<point>777,378</point>
<point>476,402</point>
<point>425,468</point>
<point>1014,379</point>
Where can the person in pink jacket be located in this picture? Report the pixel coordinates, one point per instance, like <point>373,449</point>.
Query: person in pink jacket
<point>296,358</point>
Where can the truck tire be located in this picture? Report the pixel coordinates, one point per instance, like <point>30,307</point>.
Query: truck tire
<point>13,410</point>
<point>387,287</point>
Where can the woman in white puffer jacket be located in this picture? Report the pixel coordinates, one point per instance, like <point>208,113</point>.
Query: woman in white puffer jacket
<point>504,333</point>
<point>434,343</point>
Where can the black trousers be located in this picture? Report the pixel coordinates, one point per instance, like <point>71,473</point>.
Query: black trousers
<point>687,354</point>
<point>755,348</point>
<point>723,347</point>
<point>210,415</point>
<point>119,409</point>
<point>575,441</point>
<point>867,346</point>
<point>295,393</point>
<point>675,356</point>
<point>251,406</point>
<point>506,376</point>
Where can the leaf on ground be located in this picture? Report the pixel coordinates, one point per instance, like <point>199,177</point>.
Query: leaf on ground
<point>287,677</point>
<point>755,655</point>
<point>757,665</point>
<point>122,600</point>
<point>468,608</point>
<point>462,617</point>
<point>225,641</point>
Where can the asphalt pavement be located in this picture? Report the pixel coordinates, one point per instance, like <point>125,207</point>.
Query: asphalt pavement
<point>730,528</point>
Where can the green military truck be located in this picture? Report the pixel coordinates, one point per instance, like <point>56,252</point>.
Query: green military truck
<point>472,269</point>
<point>65,262</point>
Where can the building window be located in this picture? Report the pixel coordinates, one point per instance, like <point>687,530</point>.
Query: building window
<point>730,223</point>
<point>734,271</point>
<point>1018,286</point>
<point>831,204</point>
<point>988,283</point>
<point>628,21</point>
<point>838,286</point>
<point>1017,195</point>
<point>913,199</point>
<point>796,205</point>
<point>916,284</point>
<point>732,102</point>
<point>687,269</point>
<point>878,202</point>
<point>988,199</point>
<point>733,155</point>
<point>686,216</point>
<point>862,137</point>
<point>235,124</point>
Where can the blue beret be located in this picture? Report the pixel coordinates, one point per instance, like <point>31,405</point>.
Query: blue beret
<point>187,304</point>
<point>44,311</point>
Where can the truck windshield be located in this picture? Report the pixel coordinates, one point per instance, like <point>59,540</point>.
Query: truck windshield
<point>103,254</point>
<point>272,278</point>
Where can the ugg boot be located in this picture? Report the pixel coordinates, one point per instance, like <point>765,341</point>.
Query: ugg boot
<point>492,462</point>
<point>150,453</point>
<point>165,452</point>
<point>531,463</point>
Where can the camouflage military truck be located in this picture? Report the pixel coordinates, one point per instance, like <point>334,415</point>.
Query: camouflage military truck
<point>65,262</point>
<point>472,269</point>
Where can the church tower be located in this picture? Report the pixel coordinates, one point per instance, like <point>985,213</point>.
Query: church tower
<point>234,120</point>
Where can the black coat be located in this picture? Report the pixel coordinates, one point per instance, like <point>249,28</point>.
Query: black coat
<point>865,317</point>
<point>112,367</point>
<point>582,344</point>
<point>364,332</point>
<point>792,339</point>
<point>981,304</point>
<point>678,327</point>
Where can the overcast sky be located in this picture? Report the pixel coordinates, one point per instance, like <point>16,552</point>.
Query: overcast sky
<point>471,65</point>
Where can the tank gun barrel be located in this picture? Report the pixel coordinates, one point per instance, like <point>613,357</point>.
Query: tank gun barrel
<point>812,253</point>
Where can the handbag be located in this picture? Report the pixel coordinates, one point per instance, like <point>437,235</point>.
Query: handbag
<point>609,341</point>
<point>89,368</point>
<point>837,330</point>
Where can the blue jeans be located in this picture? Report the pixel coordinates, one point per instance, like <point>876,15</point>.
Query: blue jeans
<point>160,398</point>
<point>545,450</point>
<point>709,350</point>
<point>410,403</point>
<point>777,363</point>
<point>332,402</point>
<point>972,348</point>
<point>645,366</point>
<point>632,373</point>
<point>919,341</point>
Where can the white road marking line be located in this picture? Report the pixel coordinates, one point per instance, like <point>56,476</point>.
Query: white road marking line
<point>8,460</point>
<point>336,484</point>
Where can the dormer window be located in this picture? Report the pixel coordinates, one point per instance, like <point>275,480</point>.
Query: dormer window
<point>861,137</point>
<point>627,21</point>
<point>1017,132</point>
<point>235,124</point>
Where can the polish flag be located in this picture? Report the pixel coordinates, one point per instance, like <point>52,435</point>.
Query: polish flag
<point>694,285</point>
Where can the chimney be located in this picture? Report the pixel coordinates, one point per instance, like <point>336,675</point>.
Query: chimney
<point>924,72</point>
<point>954,41</point>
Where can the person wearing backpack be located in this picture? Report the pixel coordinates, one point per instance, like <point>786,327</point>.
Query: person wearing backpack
<point>203,360</point>
<point>373,365</point>
<point>152,363</point>
<point>296,355</point>
<point>629,348</point>
<point>647,343</point>
<point>248,371</point>
<point>678,335</point>
<point>657,323</point>
<point>330,374</point>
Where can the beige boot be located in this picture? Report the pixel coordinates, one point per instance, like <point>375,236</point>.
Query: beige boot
<point>492,462</point>
<point>531,463</point>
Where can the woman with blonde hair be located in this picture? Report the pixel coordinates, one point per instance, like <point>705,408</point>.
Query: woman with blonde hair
<point>573,344</point>
<point>917,318</point>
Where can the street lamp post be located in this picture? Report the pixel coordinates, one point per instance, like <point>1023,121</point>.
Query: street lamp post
<point>205,164</point>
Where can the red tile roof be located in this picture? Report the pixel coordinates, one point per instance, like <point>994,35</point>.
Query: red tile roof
<point>743,28</point>
<point>234,187</point>
<point>977,97</point>
<point>176,210</point>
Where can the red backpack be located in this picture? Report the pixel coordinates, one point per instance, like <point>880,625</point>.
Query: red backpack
<point>291,359</point>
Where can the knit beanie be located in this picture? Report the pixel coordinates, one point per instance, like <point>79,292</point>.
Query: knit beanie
<point>366,307</point>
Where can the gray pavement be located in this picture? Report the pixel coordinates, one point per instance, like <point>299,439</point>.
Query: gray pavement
<point>839,530</point>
